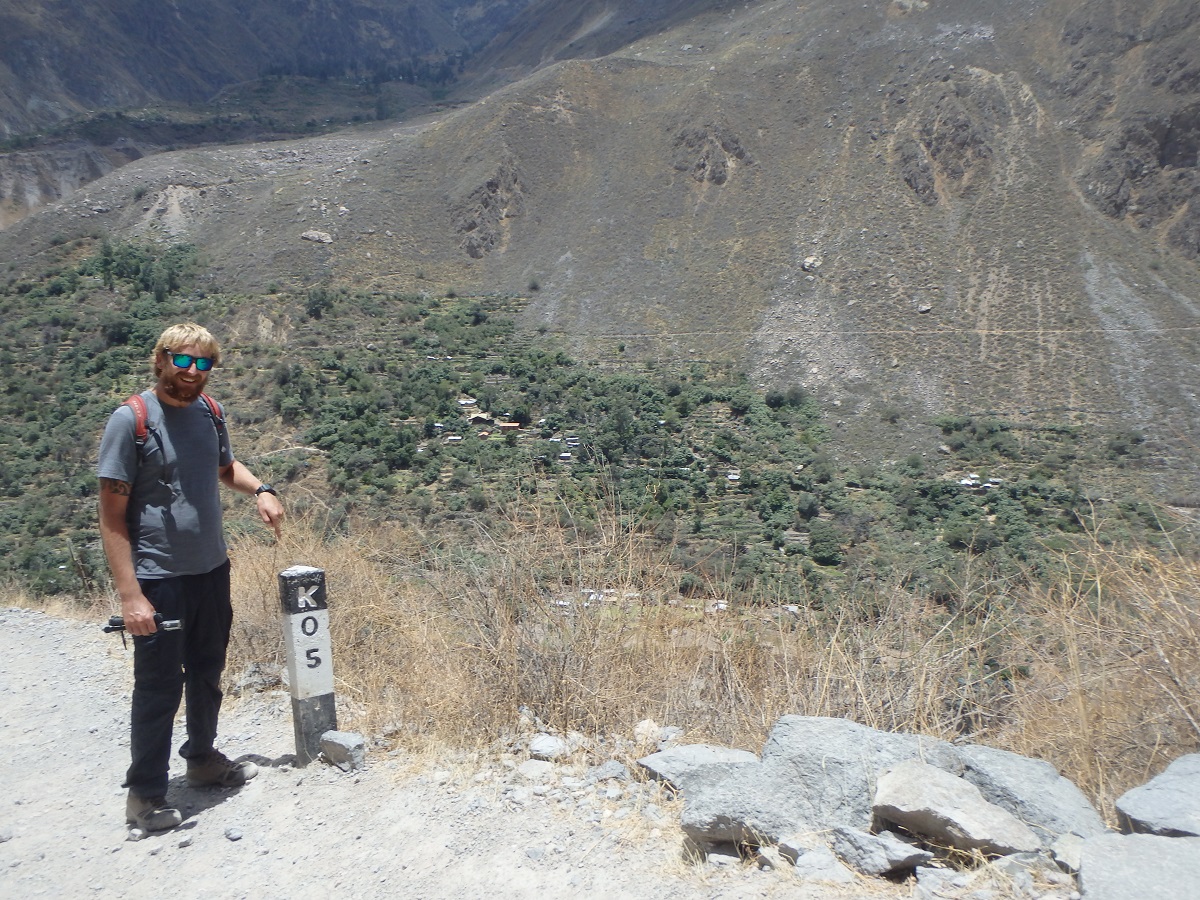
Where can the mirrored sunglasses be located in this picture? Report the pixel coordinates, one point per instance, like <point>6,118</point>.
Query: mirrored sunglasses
<point>183,361</point>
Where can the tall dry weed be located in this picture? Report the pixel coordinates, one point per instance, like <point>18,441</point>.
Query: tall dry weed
<point>435,641</point>
<point>1114,692</point>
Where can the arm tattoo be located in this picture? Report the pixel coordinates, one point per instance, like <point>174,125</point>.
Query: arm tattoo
<point>112,486</point>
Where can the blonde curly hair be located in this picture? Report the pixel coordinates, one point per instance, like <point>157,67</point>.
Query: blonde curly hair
<point>184,335</point>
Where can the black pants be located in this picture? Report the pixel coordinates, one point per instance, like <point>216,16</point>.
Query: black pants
<point>167,663</point>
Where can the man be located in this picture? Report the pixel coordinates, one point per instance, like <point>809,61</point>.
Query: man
<point>160,523</point>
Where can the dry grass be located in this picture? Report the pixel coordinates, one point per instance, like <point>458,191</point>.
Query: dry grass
<point>1114,692</point>
<point>435,645</point>
<point>1098,672</point>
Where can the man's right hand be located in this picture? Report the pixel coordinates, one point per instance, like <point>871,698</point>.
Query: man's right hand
<point>138,614</point>
<point>136,610</point>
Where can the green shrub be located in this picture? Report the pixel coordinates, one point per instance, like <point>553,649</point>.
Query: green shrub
<point>825,543</point>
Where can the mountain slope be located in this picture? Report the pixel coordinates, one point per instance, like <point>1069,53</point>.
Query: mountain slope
<point>63,58</point>
<point>913,208</point>
<point>553,30</point>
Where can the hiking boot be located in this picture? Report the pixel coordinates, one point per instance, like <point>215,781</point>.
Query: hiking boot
<point>150,813</point>
<point>215,769</point>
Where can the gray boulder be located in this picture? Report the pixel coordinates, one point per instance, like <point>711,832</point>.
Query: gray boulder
<point>673,765</point>
<point>1032,790</point>
<point>877,854</point>
<point>950,811</point>
<point>819,864</point>
<point>815,773</point>
<point>1128,866</point>
<point>1168,804</point>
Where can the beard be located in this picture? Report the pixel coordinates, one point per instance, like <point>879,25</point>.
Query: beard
<point>179,390</point>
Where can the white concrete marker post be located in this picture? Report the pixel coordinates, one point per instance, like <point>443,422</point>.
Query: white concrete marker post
<point>309,657</point>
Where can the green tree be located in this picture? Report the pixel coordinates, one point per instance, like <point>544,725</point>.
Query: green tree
<point>825,543</point>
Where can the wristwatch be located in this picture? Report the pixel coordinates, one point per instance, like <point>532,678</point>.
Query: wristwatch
<point>265,488</point>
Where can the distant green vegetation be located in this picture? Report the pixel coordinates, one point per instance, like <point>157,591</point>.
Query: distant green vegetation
<point>376,391</point>
<point>75,342</point>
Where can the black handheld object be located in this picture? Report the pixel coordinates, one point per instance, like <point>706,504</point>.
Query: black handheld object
<point>117,623</point>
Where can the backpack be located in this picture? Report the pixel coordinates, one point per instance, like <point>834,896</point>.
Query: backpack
<point>141,431</point>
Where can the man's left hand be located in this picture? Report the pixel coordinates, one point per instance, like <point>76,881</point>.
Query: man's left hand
<point>270,510</point>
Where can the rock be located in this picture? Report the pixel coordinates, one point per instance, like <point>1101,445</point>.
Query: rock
<point>722,855</point>
<point>794,846</point>
<point>1032,790</point>
<point>769,858</point>
<point>344,749</point>
<point>917,171</point>
<point>480,219</point>
<point>1184,235</point>
<point>815,773</point>
<point>548,747</point>
<point>1125,866</point>
<point>1168,804</point>
<point>233,834</point>
<point>877,854</point>
<point>709,153</point>
<point>1066,851</point>
<point>821,865</point>
<point>536,770</point>
<point>1134,175</point>
<point>674,765</point>
<point>938,883</point>
<point>927,801</point>
<point>318,237</point>
<point>653,815</point>
<point>518,796</point>
<point>1023,870</point>
<point>613,769</point>
<point>647,732</point>
<point>668,734</point>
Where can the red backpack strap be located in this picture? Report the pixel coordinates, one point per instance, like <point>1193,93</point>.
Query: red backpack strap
<point>140,431</point>
<point>214,410</point>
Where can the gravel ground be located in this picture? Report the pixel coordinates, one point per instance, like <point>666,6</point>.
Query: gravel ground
<point>422,829</point>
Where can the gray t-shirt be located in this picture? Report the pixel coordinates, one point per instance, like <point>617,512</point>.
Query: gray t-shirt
<point>174,510</point>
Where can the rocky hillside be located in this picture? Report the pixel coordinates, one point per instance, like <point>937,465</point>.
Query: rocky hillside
<point>911,207</point>
<point>64,59</point>
<point>85,88</point>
